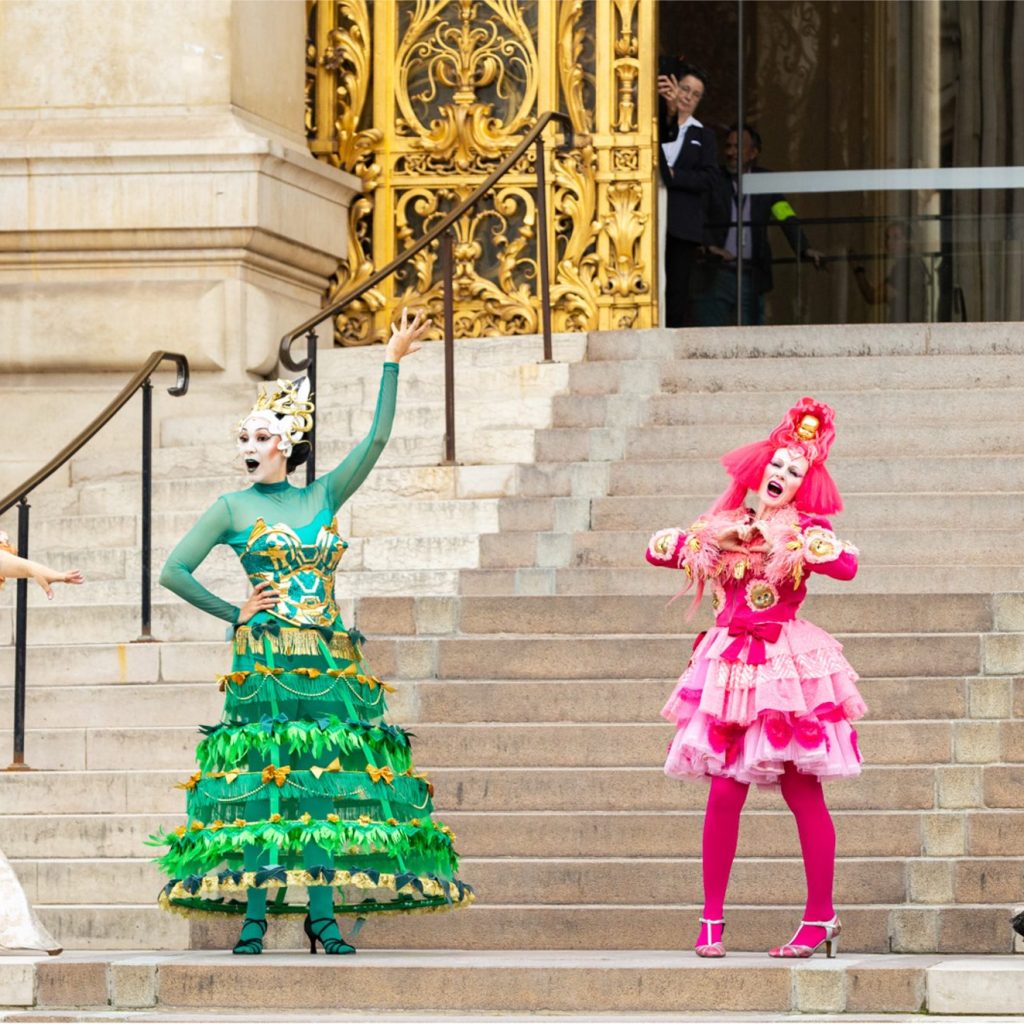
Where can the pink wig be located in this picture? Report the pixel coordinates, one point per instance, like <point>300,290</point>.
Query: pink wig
<point>818,494</point>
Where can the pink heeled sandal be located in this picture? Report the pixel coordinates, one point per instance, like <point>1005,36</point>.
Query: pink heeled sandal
<point>794,951</point>
<point>711,950</point>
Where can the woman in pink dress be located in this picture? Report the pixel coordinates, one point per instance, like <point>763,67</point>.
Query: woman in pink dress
<point>768,697</point>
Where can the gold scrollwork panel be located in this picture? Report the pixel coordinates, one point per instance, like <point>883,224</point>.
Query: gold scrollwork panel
<point>421,98</point>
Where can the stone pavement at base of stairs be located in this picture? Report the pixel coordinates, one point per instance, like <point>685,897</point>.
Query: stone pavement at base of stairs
<point>482,1017</point>
<point>454,985</point>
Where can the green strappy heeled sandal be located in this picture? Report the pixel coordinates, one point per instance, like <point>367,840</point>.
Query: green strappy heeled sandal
<point>315,933</point>
<point>252,945</point>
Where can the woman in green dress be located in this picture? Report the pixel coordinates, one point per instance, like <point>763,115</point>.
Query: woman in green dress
<point>302,784</point>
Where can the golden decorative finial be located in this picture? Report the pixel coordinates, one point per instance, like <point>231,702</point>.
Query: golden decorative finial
<point>808,429</point>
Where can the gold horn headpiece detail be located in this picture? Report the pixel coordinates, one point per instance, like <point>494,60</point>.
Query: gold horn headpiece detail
<point>286,409</point>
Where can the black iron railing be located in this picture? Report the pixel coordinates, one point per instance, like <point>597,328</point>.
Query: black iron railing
<point>19,496</point>
<point>443,231</point>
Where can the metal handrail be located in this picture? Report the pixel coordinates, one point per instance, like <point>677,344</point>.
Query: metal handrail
<point>179,388</point>
<point>19,496</point>
<point>532,138</point>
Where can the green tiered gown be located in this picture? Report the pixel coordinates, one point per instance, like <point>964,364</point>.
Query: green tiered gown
<point>302,785</point>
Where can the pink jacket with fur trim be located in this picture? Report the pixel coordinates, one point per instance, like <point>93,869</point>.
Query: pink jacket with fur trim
<point>754,586</point>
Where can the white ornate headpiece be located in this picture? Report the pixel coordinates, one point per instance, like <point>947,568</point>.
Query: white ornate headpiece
<point>284,408</point>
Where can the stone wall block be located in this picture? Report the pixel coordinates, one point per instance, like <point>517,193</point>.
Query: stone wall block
<point>990,697</point>
<point>976,742</point>
<point>944,834</point>
<point>958,786</point>
<point>930,881</point>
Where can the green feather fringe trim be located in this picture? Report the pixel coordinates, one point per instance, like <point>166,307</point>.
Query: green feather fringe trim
<point>217,798</point>
<point>198,850</point>
<point>228,745</point>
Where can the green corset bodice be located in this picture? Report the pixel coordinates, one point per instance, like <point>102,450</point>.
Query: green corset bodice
<point>301,564</point>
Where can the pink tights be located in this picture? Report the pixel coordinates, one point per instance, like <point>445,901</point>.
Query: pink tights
<point>804,797</point>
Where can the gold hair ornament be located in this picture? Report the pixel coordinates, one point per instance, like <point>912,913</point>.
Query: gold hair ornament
<point>808,428</point>
<point>286,408</point>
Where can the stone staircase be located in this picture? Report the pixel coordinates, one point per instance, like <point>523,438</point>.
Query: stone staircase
<point>508,598</point>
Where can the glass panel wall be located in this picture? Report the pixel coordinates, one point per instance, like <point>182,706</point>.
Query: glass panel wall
<point>860,86</point>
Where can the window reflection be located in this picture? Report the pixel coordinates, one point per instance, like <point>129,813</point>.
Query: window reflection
<point>863,85</point>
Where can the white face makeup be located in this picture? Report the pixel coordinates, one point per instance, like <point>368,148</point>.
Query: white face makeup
<point>782,478</point>
<point>262,457</point>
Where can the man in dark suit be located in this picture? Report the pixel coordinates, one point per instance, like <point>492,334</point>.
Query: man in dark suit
<point>714,279</point>
<point>688,159</point>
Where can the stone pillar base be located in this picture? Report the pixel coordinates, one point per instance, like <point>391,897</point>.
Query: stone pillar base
<point>206,234</point>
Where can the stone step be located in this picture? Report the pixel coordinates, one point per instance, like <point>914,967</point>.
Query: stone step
<point>992,510</point>
<point>177,509</point>
<point>736,409</point>
<point>341,421</point>
<point>611,655</point>
<point>768,342</point>
<point>879,928</point>
<point>596,614</point>
<point>378,519</point>
<point>420,474</point>
<point>977,833</point>
<point>518,745</point>
<point>864,439</point>
<point>492,479</point>
<point>226,580</point>
<point>702,476</point>
<point>889,546</point>
<point>413,658</point>
<point>509,352</point>
<point>763,408</point>
<point>670,984</point>
<point>492,701</point>
<point>646,376</point>
<point>870,579</point>
<point>545,657</point>
<point>896,374</point>
<point>894,787</point>
<point>896,474</point>
<point>641,700</point>
<point>579,444</point>
<point>576,615</point>
<point>451,547</point>
<point>85,835</point>
<point>608,880</point>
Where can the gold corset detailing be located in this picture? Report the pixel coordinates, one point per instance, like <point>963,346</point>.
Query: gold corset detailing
<point>303,573</point>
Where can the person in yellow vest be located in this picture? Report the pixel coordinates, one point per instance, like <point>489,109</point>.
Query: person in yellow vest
<point>713,297</point>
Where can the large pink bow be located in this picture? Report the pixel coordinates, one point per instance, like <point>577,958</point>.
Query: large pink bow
<point>751,635</point>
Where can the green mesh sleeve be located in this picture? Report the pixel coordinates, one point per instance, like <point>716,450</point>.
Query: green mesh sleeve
<point>343,481</point>
<point>213,527</point>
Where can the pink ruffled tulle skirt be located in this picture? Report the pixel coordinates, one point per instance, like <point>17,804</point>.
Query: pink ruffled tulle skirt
<point>746,721</point>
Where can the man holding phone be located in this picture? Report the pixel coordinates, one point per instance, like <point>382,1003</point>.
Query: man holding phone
<point>688,160</point>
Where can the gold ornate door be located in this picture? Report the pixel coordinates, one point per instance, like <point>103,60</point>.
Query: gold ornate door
<point>421,99</point>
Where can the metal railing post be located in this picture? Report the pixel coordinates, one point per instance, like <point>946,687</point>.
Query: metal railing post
<point>447,275</point>
<point>19,497</point>
<point>542,247</point>
<point>20,633</point>
<point>147,511</point>
<point>311,374</point>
